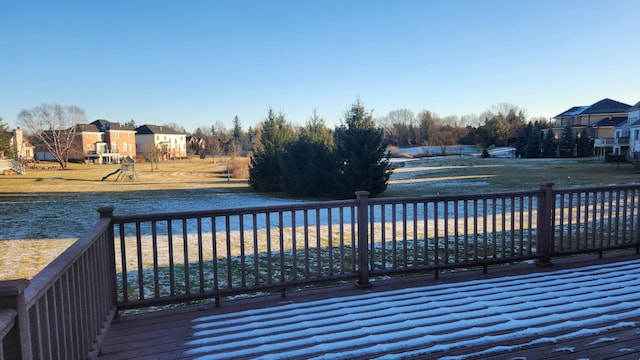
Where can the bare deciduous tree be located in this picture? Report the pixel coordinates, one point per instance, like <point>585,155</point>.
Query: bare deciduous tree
<point>54,127</point>
<point>151,154</point>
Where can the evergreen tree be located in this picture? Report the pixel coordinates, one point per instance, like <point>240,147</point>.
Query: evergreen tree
<point>584,144</point>
<point>521,142</point>
<point>131,124</point>
<point>264,171</point>
<point>5,139</point>
<point>550,146</point>
<point>534,143</point>
<point>240,139</point>
<point>567,142</point>
<point>308,162</point>
<point>360,150</point>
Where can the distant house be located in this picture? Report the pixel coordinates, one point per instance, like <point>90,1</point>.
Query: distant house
<point>605,122</point>
<point>196,145</point>
<point>634,127</point>
<point>165,141</point>
<point>22,149</point>
<point>103,141</point>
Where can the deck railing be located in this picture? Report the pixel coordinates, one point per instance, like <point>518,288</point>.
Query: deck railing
<point>179,257</point>
<point>63,312</point>
<point>128,262</point>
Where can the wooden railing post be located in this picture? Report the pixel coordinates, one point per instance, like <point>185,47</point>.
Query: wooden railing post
<point>107,212</point>
<point>17,344</point>
<point>363,238</point>
<point>546,207</point>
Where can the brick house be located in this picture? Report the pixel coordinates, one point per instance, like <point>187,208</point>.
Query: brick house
<point>103,141</point>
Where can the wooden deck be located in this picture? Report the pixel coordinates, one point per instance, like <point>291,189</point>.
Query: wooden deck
<point>274,327</point>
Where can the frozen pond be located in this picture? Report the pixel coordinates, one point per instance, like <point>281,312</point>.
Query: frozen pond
<point>52,216</point>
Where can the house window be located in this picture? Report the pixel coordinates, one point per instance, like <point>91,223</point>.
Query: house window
<point>636,134</point>
<point>114,147</point>
<point>158,137</point>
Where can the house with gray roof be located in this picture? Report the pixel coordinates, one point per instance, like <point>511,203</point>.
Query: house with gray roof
<point>605,121</point>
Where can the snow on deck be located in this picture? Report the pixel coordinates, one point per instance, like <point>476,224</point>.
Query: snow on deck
<point>448,321</point>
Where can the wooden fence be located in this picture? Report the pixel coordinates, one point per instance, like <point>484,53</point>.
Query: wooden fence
<point>129,262</point>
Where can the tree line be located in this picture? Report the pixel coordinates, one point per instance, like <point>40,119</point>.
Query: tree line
<point>502,125</point>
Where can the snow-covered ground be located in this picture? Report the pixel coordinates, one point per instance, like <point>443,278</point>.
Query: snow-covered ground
<point>456,150</point>
<point>432,321</point>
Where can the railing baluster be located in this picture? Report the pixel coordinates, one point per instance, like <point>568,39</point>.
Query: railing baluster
<point>214,254</point>
<point>466,231</point>
<point>256,251</point>
<point>512,204</point>
<point>425,225</point>
<point>394,243</point>
<point>623,238</point>
<point>201,255</point>
<point>294,247</point>
<point>415,234</point>
<point>306,243</point>
<point>342,249</point>
<point>475,230</point>
<point>383,236</point>
<point>330,242</point>
<point>154,250</point>
<point>405,249</point>
<point>494,227</point>
<point>243,270</point>
<point>318,244</point>
<point>445,208</point>
<point>227,226</point>
<point>436,233</point>
<point>185,257</point>
<point>283,275</point>
<point>578,218</point>
<point>172,279</point>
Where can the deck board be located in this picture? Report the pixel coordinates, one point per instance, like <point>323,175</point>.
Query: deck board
<point>166,334</point>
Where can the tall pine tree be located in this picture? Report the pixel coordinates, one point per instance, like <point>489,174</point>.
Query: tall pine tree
<point>584,144</point>
<point>361,154</point>
<point>567,142</point>
<point>264,171</point>
<point>308,162</point>
<point>534,142</point>
<point>550,146</point>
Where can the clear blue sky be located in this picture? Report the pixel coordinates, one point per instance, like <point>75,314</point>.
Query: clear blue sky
<point>196,62</point>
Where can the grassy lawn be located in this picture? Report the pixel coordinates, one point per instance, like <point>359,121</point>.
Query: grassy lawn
<point>460,175</point>
<point>171,175</point>
<point>441,175</point>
